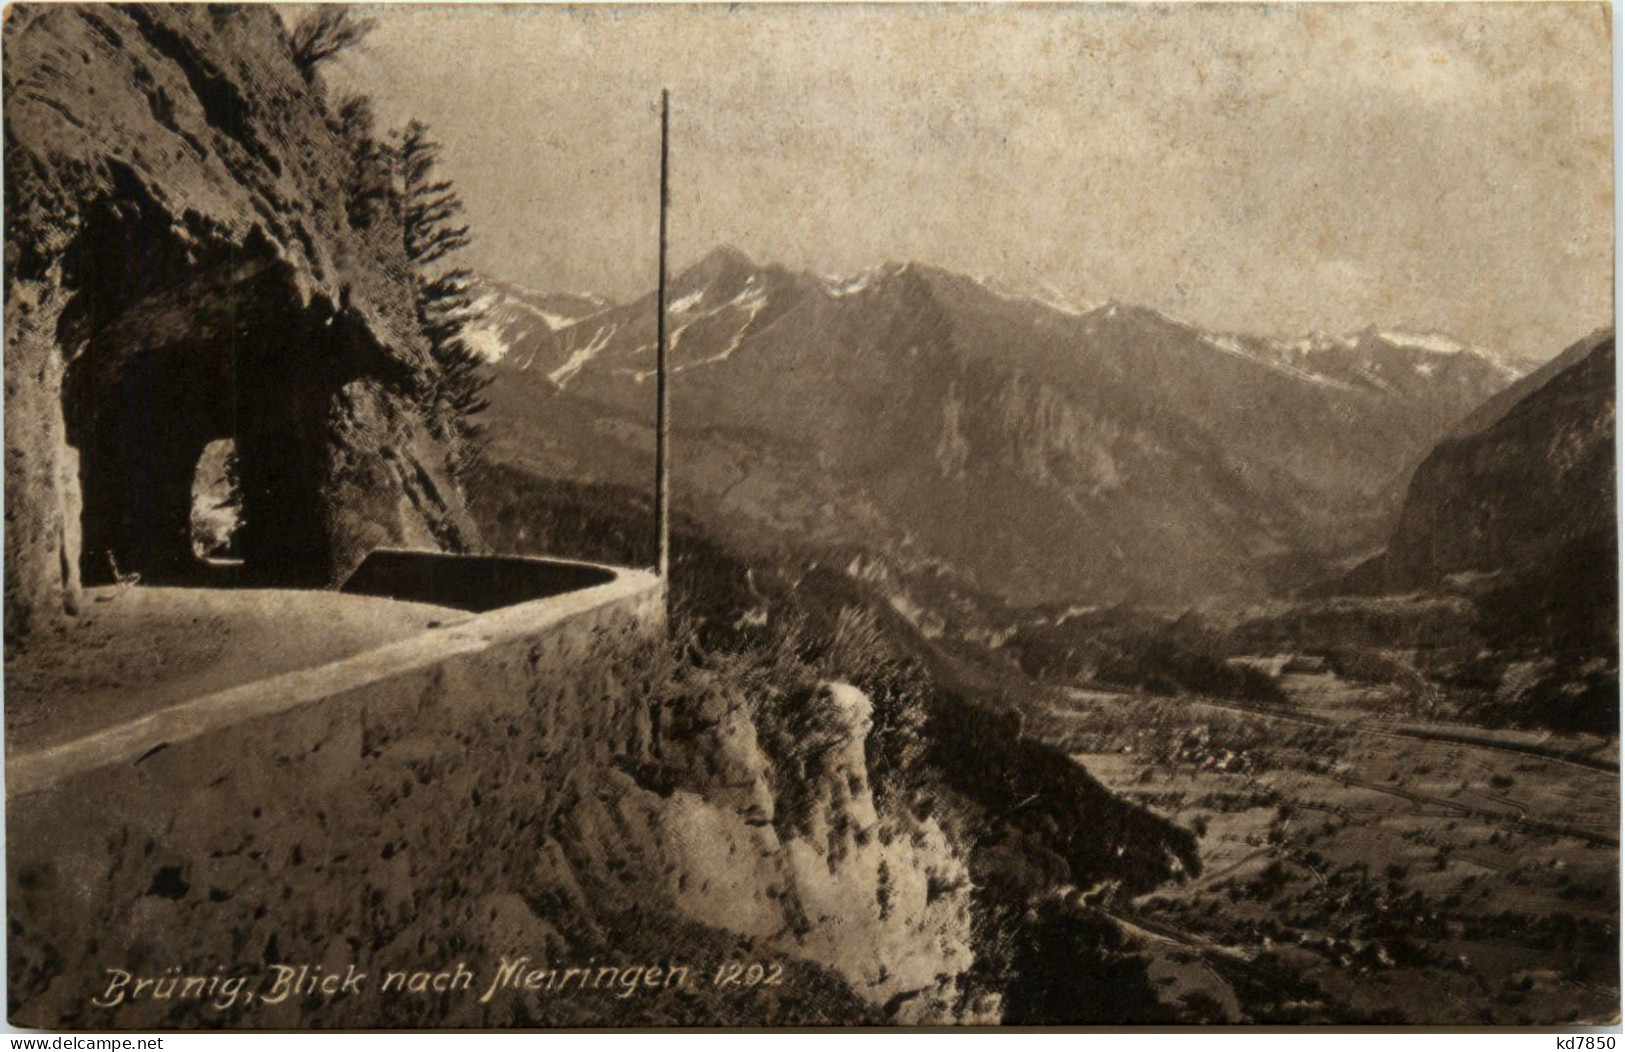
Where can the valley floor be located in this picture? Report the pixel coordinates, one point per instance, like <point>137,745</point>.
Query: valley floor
<point>1361,870</point>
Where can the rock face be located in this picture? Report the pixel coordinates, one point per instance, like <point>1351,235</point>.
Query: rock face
<point>181,268</point>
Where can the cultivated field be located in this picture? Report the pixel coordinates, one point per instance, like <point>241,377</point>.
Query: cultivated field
<point>1357,868</point>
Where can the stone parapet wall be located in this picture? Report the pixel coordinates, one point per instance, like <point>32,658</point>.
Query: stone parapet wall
<point>368,814</point>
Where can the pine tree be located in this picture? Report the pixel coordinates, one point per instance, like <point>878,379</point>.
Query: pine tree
<point>324,32</point>
<point>369,190</point>
<point>430,209</point>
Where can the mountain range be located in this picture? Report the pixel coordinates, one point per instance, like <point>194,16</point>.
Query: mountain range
<point>1031,448</point>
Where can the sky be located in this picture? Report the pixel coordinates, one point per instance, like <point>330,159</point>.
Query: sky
<point>1269,169</point>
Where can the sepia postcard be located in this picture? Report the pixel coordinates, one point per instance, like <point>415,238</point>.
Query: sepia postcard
<point>911,515</point>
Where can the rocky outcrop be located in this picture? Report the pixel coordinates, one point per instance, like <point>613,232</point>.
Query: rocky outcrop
<point>181,268</point>
<point>1517,513</point>
<point>1045,453</point>
<point>816,874</point>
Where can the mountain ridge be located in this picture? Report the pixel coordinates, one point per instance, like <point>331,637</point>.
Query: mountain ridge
<point>1525,477</point>
<point>729,257</point>
<point>1046,453</point>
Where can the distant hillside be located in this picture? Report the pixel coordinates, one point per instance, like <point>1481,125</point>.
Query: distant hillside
<point>1497,407</point>
<point>1521,501</point>
<point>1040,450</point>
<point>191,258</point>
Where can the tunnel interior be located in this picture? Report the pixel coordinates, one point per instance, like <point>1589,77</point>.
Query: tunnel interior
<point>143,419</point>
<point>141,427</point>
<point>171,351</point>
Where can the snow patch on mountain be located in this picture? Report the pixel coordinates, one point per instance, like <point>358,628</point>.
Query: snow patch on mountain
<point>839,287</point>
<point>1434,342</point>
<point>754,307</point>
<point>582,355</point>
<point>751,299</point>
<point>1233,345</point>
<point>1435,346</point>
<point>1321,341</point>
<point>487,343</point>
<point>1043,296</point>
<point>1230,345</point>
<point>1439,344</point>
<point>554,321</point>
<point>508,316</point>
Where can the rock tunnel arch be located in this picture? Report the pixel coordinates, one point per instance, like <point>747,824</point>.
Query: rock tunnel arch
<point>178,222</point>
<point>170,348</point>
<point>140,423</point>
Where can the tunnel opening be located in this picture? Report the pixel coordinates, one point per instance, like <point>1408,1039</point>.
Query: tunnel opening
<point>156,337</point>
<point>217,505</point>
<point>182,359</point>
<point>205,462</point>
<point>142,423</point>
<point>203,434</point>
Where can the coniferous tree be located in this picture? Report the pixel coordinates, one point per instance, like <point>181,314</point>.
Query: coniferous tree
<point>369,190</point>
<point>323,33</point>
<point>430,210</point>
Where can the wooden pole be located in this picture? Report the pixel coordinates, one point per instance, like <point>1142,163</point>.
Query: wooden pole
<point>662,391</point>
